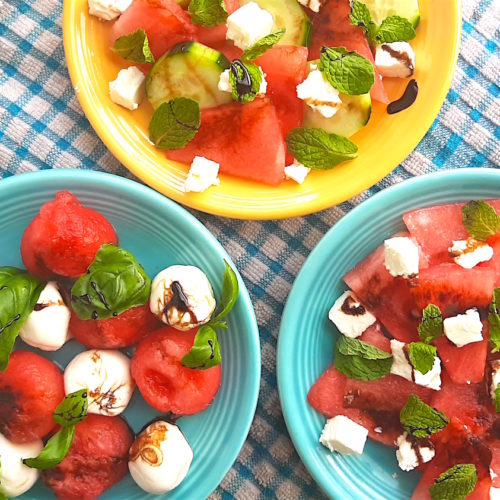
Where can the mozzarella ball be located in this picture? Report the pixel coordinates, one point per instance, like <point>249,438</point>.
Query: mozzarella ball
<point>160,458</point>
<point>15,477</point>
<point>106,376</point>
<point>182,297</point>
<point>47,326</point>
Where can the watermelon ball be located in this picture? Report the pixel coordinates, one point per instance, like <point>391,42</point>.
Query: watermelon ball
<point>162,380</point>
<point>30,390</point>
<point>63,239</point>
<point>96,461</point>
<point>125,330</point>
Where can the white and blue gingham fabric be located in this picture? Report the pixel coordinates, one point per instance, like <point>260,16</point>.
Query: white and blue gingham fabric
<point>42,126</point>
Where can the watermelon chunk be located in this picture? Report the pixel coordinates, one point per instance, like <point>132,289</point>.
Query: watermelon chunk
<point>452,288</point>
<point>164,21</point>
<point>245,140</point>
<point>333,28</point>
<point>494,263</point>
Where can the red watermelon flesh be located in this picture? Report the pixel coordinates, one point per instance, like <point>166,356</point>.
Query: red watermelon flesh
<point>285,67</point>
<point>388,298</point>
<point>494,263</point>
<point>435,228</point>
<point>216,34</point>
<point>333,28</point>
<point>452,288</point>
<point>164,21</point>
<point>245,140</point>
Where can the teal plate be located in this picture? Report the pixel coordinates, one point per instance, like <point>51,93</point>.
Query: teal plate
<point>306,338</point>
<point>159,233</point>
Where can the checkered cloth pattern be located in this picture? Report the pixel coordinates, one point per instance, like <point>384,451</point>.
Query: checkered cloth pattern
<point>42,126</point>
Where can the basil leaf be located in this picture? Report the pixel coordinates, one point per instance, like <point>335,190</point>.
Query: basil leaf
<point>317,149</point>
<point>19,292</point>
<point>263,45</point>
<point>229,295</point>
<point>455,484</point>
<point>245,79</point>
<point>422,356</point>
<point>419,419</point>
<point>348,72</point>
<point>205,352</point>
<point>114,283</point>
<point>480,220</point>
<point>395,29</point>
<point>175,123</point>
<point>73,409</point>
<point>55,450</point>
<point>208,12</point>
<point>494,320</point>
<point>134,47</point>
<point>360,360</point>
<point>431,326</point>
<point>360,16</point>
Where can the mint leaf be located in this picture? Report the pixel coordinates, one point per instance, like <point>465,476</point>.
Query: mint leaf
<point>134,47</point>
<point>114,283</point>
<point>494,320</point>
<point>55,450</point>
<point>208,12</point>
<point>455,484</point>
<point>315,148</point>
<point>229,295</point>
<point>263,45</point>
<point>422,356</point>
<point>348,72</point>
<point>19,292</point>
<point>360,16</point>
<point>175,123</point>
<point>497,399</point>
<point>419,419</point>
<point>480,220</point>
<point>431,326</point>
<point>360,360</point>
<point>395,29</point>
<point>245,79</point>
<point>73,409</point>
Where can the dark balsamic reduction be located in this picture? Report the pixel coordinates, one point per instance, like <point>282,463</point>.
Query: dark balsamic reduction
<point>40,307</point>
<point>17,317</point>
<point>179,299</point>
<point>406,100</point>
<point>350,309</point>
<point>243,84</point>
<point>400,56</point>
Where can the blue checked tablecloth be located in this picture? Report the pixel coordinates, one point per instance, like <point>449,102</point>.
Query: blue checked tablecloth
<point>42,126</point>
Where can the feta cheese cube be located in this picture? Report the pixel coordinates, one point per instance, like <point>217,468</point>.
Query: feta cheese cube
<point>413,452</point>
<point>464,328</point>
<point>313,5</point>
<point>494,493</point>
<point>469,253</point>
<point>343,435</point>
<point>202,174</point>
<point>108,9</point>
<point>402,367</point>
<point>395,59</point>
<point>224,84</point>
<point>129,88</point>
<point>495,377</point>
<point>318,94</point>
<point>248,25</point>
<point>401,257</point>
<point>350,316</point>
<point>297,172</point>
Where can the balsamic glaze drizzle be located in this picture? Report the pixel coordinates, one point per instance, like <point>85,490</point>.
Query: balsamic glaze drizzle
<point>243,83</point>
<point>406,100</point>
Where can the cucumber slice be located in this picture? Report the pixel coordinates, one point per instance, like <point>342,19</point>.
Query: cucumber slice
<point>380,9</point>
<point>190,70</point>
<point>352,116</point>
<point>288,14</point>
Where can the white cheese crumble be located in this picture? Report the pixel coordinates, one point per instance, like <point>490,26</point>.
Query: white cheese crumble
<point>495,377</point>
<point>248,25</point>
<point>297,172</point>
<point>224,84</point>
<point>411,454</point>
<point>402,367</point>
<point>318,94</point>
<point>469,253</point>
<point>129,88</point>
<point>464,328</point>
<point>350,316</point>
<point>343,435</point>
<point>395,59</point>
<point>108,10</point>
<point>401,257</point>
<point>313,5</point>
<point>202,175</point>
<point>494,493</point>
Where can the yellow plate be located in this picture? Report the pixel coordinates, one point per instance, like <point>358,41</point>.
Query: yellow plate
<point>383,144</point>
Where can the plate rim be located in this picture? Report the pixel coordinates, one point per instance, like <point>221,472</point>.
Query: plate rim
<point>283,348</point>
<point>249,210</point>
<point>26,180</point>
